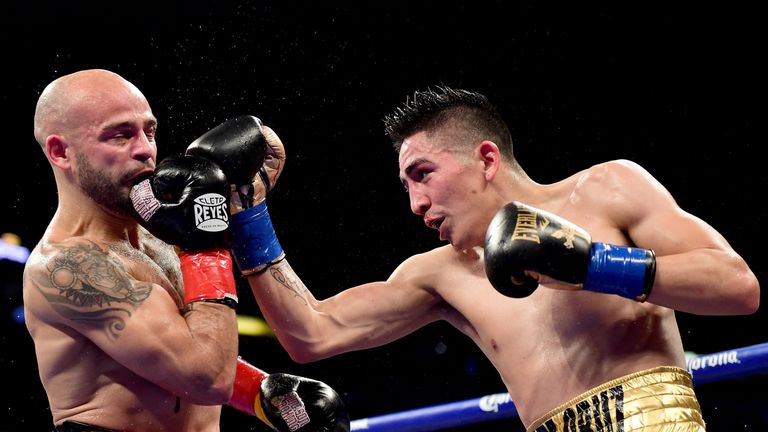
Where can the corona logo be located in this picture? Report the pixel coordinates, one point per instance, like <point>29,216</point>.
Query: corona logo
<point>491,403</point>
<point>713,360</point>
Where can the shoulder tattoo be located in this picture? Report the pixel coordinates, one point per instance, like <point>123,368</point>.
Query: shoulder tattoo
<point>83,283</point>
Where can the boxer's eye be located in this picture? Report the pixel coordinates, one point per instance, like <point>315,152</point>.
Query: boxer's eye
<point>419,174</point>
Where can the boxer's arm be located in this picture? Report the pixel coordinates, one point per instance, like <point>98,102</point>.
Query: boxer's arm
<point>697,271</point>
<point>362,317</point>
<point>81,286</point>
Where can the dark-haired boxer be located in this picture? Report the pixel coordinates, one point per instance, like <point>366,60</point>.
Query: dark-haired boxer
<point>128,334</point>
<point>581,339</point>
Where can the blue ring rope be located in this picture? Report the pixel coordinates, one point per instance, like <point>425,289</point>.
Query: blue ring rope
<point>708,368</point>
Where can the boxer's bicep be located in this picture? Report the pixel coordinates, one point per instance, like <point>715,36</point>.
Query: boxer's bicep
<point>647,213</point>
<point>87,289</point>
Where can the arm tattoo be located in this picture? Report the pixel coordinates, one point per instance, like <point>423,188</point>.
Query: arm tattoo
<point>83,283</point>
<point>289,281</point>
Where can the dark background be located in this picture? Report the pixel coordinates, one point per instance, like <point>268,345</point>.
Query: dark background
<point>676,88</point>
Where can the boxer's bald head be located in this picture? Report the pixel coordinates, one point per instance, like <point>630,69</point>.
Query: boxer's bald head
<point>70,100</point>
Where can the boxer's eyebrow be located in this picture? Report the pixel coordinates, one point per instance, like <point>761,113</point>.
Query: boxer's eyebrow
<point>411,166</point>
<point>127,126</point>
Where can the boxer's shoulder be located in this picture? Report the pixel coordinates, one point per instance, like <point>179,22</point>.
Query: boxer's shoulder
<point>445,262</point>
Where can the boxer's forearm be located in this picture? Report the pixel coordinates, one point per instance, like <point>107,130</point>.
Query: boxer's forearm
<point>290,309</point>
<point>213,331</point>
<point>706,282</point>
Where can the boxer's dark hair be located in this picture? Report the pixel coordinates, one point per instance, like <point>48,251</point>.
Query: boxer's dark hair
<point>430,109</point>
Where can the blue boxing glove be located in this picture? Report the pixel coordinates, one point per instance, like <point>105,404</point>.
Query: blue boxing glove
<point>523,243</point>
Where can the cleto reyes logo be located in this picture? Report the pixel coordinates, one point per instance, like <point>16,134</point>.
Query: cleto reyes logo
<point>211,212</point>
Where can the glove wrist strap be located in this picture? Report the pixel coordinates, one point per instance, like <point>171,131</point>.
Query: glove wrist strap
<point>246,390</point>
<point>208,277</point>
<point>625,271</point>
<point>255,244</point>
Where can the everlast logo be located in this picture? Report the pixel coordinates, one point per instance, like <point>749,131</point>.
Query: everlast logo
<point>525,226</point>
<point>211,212</point>
<point>604,412</point>
<point>567,233</point>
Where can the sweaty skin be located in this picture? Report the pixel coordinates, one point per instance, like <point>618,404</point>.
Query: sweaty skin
<point>556,343</point>
<point>115,346</point>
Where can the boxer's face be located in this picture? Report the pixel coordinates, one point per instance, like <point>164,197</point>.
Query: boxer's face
<point>115,149</point>
<point>444,188</point>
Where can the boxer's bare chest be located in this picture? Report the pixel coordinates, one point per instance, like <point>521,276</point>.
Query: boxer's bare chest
<point>155,263</point>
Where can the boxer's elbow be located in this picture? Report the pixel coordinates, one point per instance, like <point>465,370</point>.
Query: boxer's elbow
<point>323,339</point>
<point>209,386</point>
<point>737,288</point>
<point>748,294</point>
<point>303,357</point>
<point>206,391</point>
<point>308,349</point>
<point>221,390</point>
<point>305,352</point>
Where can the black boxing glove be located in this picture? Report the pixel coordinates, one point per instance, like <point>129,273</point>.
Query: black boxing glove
<point>288,403</point>
<point>185,203</point>
<point>252,157</point>
<point>525,245</point>
<point>239,147</point>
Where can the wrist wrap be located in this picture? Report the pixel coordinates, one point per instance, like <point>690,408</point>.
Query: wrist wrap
<point>208,277</point>
<point>247,387</point>
<point>255,245</point>
<point>624,271</point>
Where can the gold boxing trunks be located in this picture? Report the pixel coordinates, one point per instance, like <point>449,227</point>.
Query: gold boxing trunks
<point>653,400</point>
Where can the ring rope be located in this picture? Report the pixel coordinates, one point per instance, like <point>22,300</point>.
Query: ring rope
<point>708,368</point>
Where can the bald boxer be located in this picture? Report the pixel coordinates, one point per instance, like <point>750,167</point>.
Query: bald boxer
<point>601,353</point>
<point>128,334</point>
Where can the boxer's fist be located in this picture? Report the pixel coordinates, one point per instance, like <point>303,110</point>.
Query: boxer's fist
<point>238,146</point>
<point>251,155</point>
<point>185,203</point>
<point>293,403</point>
<point>522,243</point>
<point>273,166</point>
<point>525,246</point>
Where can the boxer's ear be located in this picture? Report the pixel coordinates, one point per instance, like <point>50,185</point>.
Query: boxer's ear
<point>56,151</point>
<point>488,152</point>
